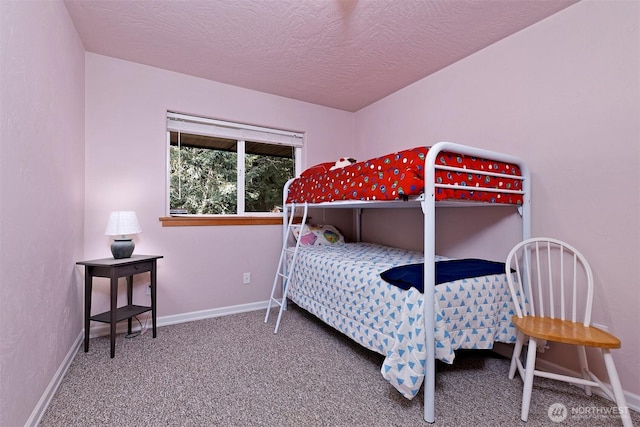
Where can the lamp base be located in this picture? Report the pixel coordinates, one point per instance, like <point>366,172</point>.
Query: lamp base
<point>122,248</point>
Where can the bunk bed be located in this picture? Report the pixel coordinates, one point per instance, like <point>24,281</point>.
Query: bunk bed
<point>445,174</point>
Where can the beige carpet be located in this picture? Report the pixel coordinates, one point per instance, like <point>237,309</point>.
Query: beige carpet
<point>233,371</point>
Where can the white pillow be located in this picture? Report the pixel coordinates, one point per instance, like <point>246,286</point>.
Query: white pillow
<point>317,235</point>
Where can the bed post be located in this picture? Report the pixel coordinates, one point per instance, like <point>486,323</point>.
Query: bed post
<point>428,211</point>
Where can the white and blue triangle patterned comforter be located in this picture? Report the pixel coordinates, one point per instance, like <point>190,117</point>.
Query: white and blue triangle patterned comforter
<point>341,285</point>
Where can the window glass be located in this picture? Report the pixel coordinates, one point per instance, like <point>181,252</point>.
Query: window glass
<point>214,175</point>
<point>267,169</point>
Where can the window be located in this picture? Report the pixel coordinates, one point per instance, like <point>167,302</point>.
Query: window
<point>223,168</point>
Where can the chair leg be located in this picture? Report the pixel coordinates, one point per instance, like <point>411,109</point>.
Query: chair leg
<point>614,379</point>
<point>517,350</point>
<point>528,378</point>
<point>584,367</point>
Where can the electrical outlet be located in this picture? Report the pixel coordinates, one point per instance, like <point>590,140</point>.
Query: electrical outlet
<point>246,278</point>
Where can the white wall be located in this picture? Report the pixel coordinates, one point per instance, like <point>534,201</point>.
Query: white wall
<point>564,95</point>
<point>42,199</point>
<point>202,268</point>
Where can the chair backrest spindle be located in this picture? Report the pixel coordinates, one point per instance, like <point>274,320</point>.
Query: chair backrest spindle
<point>562,285</point>
<point>552,304</point>
<point>544,290</point>
<point>528,268</point>
<point>574,314</point>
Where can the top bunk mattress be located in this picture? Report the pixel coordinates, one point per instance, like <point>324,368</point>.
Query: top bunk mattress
<point>400,175</point>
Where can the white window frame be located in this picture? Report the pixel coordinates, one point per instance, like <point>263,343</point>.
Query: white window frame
<point>178,122</point>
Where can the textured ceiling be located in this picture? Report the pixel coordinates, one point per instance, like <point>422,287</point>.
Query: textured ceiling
<point>344,54</point>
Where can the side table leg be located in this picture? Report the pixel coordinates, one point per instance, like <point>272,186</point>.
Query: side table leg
<point>114,309</point>
<point>87,305</point>
<point>129,300</point>
<point>153,297</point>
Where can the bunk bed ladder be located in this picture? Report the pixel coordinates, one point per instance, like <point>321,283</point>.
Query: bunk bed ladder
<point>282,272</point>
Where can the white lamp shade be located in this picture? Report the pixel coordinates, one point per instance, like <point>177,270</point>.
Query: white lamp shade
<point>122,223</point>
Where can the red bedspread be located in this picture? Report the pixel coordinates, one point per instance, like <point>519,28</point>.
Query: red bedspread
<point>401,174</point>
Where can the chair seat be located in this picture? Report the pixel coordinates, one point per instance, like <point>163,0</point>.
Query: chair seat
<point>565,331</point>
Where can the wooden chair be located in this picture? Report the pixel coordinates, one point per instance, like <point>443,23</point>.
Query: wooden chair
<point>552,288</point>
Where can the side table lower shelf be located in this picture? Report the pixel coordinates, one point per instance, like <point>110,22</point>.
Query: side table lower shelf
<point>122,313</point>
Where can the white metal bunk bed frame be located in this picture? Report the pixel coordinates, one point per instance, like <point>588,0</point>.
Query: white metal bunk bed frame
<point>427,201</point>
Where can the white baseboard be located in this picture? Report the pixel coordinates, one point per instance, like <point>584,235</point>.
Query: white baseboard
<point>50,391</point>
<point>633,400</point>
<point>103,329</point>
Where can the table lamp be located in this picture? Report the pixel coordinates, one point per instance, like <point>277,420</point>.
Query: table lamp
<point>122,223</point>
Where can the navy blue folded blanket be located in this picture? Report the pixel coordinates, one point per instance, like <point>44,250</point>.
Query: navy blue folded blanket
<point>412,275</point>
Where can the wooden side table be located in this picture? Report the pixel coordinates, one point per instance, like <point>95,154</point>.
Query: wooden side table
<point>114,269</point>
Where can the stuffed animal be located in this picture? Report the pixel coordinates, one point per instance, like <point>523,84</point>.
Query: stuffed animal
<point>344,161</point>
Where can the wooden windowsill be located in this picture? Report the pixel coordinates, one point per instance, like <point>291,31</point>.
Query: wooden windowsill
<point>198,221</point>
